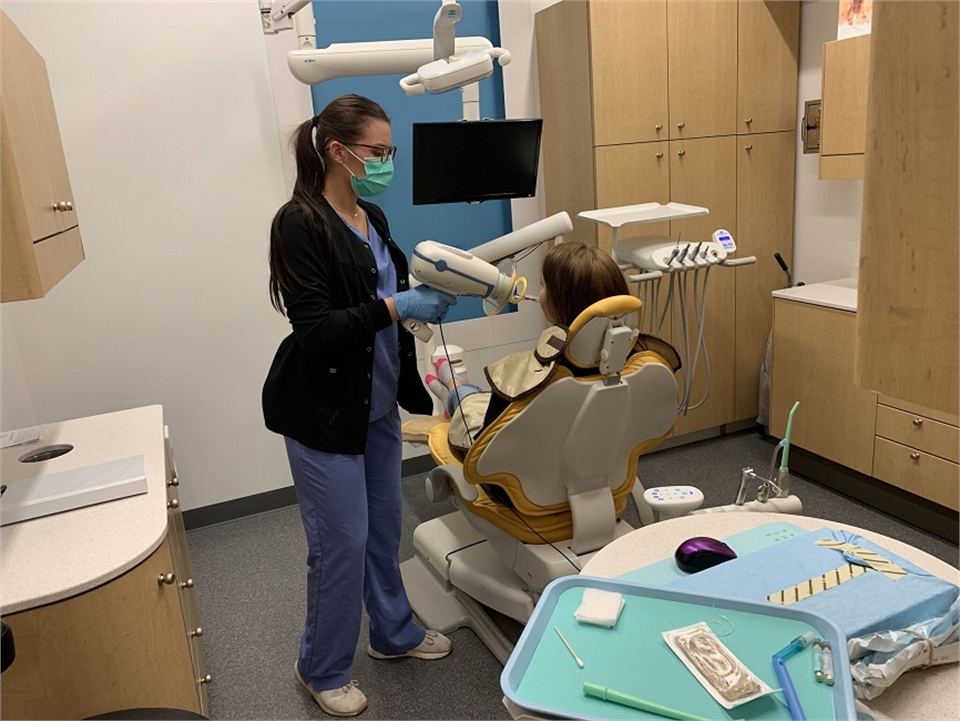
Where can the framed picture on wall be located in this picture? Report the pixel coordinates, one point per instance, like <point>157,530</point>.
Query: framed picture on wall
<point>854,18</point>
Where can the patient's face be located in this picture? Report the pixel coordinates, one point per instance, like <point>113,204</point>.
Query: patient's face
<point>545,305</point>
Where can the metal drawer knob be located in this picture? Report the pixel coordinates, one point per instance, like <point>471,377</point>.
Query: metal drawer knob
<point>187,584</point>
<point>914,456</point>
<point>659,155</point>
<point>748,120</point>
<point>658,127</point>
<point>197,633</point>
<point>166,579</point>
<point>918,422</point>
<point>205,679</point>
<point>681,126</point>
<point>681,153</point>
<point>63,206</point>
<point>174,482</point>
<point>173,504</point>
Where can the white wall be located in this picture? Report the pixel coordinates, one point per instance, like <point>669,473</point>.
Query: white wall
<point>826,241</point>
<point>174,117</point>
<point>171,139</point>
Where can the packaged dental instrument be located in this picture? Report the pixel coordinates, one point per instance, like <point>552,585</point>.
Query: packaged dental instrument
<point>720,672</point>
<point>601,608</point>
<point>879,659</point>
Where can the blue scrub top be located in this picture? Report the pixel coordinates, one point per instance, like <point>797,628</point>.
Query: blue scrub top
<point>386,353</point>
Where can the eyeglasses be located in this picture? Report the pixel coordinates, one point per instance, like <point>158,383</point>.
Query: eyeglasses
<point>383,153</point>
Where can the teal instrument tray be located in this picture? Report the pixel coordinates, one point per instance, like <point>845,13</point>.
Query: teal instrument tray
<point>632,657</point>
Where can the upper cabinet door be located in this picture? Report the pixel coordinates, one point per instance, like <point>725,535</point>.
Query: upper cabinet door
<point>702,63</point>
<point>768,42</point>
<point>628,56</point>
<point>27,183</point>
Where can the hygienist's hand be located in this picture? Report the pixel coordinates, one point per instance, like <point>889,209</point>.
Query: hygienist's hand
<point>423,303</point>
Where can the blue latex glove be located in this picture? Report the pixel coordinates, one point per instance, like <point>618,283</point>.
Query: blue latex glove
<point>423,303</point>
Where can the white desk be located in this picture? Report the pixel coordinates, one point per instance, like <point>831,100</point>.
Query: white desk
<point>930,694</point>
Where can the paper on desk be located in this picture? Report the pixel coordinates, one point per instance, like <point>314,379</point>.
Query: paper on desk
<point>20,436</point>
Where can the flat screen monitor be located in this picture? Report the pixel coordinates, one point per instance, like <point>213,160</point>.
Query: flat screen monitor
<point>475,160</point>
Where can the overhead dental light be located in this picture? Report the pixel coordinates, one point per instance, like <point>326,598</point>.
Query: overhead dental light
<point>435,65</point>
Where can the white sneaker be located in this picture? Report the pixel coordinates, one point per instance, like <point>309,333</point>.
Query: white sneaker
<point>434,645</point>
<point>344,701</point>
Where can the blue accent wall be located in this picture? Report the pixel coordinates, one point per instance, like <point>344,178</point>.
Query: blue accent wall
<point>459,224</point>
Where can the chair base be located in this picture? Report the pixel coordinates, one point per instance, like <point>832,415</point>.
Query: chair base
<point>448,547</point>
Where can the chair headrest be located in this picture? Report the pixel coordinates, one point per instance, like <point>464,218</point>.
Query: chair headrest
<point>592,328</point>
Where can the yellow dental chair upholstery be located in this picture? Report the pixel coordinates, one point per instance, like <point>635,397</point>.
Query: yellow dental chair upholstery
<point>566,456</point>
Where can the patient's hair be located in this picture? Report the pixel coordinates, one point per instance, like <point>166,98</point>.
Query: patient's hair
<point>576,276</point>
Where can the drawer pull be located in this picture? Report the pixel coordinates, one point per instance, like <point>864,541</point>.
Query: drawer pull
<point>918,422</point>
<point>166,579</point>
<point>174,482</point>
<point>197,633</point>
<point>187,584</point>
<point>173,504</point>
<point>914,456</point>
<point>205,679</point>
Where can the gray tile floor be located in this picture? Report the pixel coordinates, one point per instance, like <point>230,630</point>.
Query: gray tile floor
<point>251,580</point>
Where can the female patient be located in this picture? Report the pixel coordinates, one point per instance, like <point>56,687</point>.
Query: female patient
<point>573,277</point>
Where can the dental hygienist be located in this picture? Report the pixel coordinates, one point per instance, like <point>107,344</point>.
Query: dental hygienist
<point>333,389</point>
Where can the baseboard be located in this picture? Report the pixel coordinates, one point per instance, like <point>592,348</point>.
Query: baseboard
<point>278,498</point>
<point>925,515</point>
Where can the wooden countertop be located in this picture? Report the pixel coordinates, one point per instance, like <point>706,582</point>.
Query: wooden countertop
<point>838,294</point>
<point>55,557</point>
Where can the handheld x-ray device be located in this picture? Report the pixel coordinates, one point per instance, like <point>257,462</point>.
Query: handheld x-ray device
<point>486,271</point>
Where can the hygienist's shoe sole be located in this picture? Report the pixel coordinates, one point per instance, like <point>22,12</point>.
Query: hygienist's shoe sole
<point>345,701</point>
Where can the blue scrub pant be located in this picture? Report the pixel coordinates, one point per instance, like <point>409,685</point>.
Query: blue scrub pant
<point>351,508</point>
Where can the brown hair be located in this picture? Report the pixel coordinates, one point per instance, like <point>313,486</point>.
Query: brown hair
<point>577,276</point>
<point>344,119</point>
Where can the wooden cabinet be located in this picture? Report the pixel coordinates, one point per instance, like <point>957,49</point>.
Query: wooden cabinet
<point>133,642</point>
<point>813,364</point>
<point>902,444</point>
<point>39,232</point>
<point>649,102</point>
<point>908,320</point>
<point>765,178</point>
<point>843,110</point>
<point>768,45</point>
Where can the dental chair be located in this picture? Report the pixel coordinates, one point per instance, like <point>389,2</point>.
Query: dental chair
<point>566,457</point>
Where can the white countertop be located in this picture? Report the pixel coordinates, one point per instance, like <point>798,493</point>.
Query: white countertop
<point>55,557</point>
<point>839,294</point>
<point>928,694</point>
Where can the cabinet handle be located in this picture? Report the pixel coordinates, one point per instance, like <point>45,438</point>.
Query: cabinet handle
<point>205,679</point>
<point>174,482</point>
<point>681,153</point>
<point>748,120</point>
<point>173,504</point>
<point>659,155</point>
<point>63,206</point>
<point>914,456</point>
<point>748,148</point>
<point>165,579</point>
<point>658,127</point>
<point>187,584</point>
<point>918,422</point>
<point>681,126</point>
<point>197,633</point>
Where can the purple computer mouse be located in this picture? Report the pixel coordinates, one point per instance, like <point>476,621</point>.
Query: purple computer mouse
<point>696,554</point>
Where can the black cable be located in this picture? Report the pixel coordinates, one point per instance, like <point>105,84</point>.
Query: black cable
<point>453,377</point>
<point>524,521</point>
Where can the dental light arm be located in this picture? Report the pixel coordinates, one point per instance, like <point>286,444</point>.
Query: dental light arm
<point>476,272</point>
<point>434,66</point>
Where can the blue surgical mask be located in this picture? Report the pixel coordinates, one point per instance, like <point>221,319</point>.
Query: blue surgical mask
<point>379,173</point>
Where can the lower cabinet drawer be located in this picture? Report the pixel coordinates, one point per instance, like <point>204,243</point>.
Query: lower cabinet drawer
<point>925,434</point>
<point>919,473</point>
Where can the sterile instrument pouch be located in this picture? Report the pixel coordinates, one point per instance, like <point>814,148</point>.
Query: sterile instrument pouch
<point>720,672</point>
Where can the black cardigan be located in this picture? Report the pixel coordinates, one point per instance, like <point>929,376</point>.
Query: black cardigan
<point>318,388</point>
